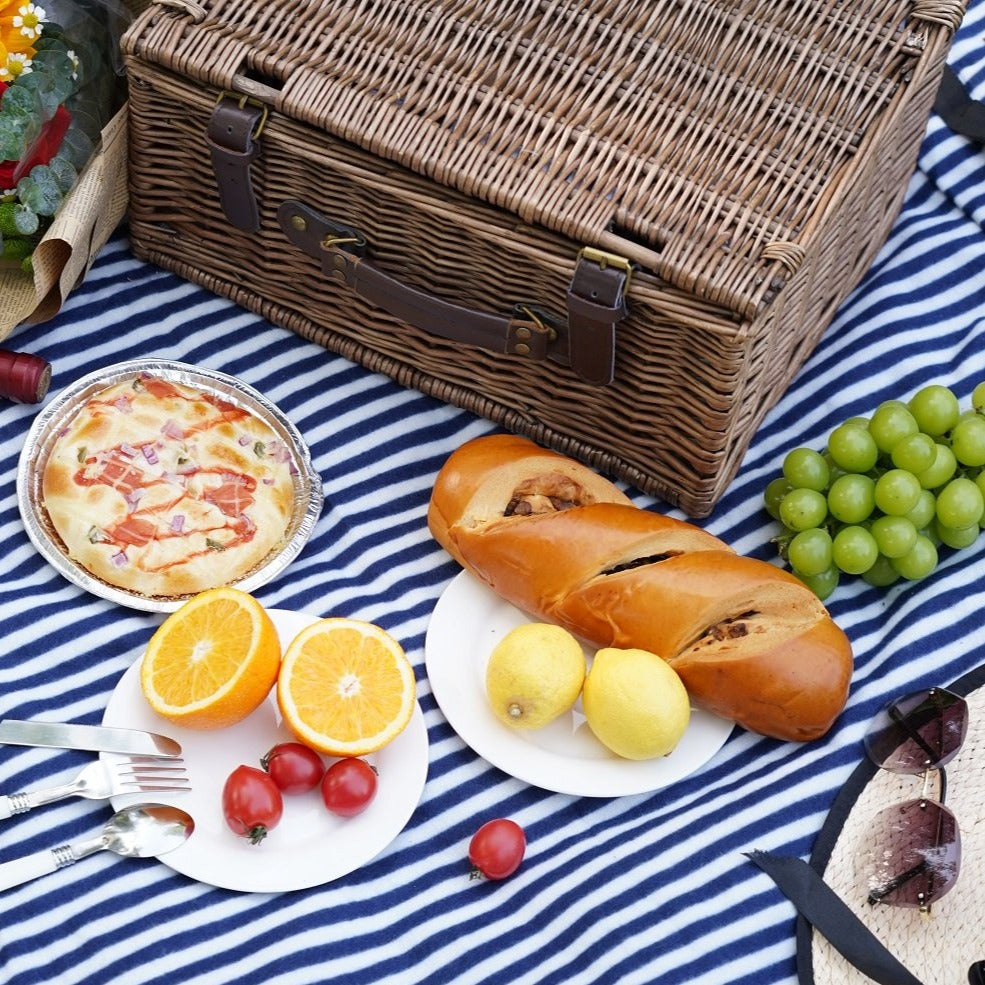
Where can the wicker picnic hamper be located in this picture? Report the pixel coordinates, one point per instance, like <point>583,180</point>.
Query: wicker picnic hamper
<point>615,226</point>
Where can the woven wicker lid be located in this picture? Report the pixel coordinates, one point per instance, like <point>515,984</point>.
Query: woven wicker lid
<point>706,140</point>
<point>938,947</point>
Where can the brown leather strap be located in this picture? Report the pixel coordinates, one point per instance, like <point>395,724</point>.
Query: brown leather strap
<point>596,300</point>
<point>231,137</point>
<point>596,304</point>
<point>338,248</point>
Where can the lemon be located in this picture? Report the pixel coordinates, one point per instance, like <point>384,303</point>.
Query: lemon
<point>635,703</point>
<point>534,675</point>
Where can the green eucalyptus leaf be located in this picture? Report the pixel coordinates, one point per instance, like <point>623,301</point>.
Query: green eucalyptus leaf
<point>64,173</point>
<point>26,221</point>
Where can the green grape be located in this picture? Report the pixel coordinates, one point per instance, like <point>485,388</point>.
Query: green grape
<point>882,574</point>
<point>960,503</point>
<point>945,465</point>
<point>852,448</point>
<point>968,441</point>
<point>776,489</point>
<point>980,482</point>
<point>802,509</point>
<point>978,398</point>
<point>854,550</point>
<point>935,409</point>
<point>891,421</point>
<point>919,561</point>
<point>805,468</point>
<point>915,452</point>
<point>923,514</point>
<point>897,492</point>
<point>894,535</point>
<point>851,498</point>
<point>809,553</point>
<point>858,422</point>
<point>821,585</point>
<point>957,537</point>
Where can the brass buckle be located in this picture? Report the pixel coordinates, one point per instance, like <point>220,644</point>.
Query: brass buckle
<point>539,318</point>
<point>243,100</point>
<point>605,260</point>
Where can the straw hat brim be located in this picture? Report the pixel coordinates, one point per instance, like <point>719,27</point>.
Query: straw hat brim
<point>937,947</point>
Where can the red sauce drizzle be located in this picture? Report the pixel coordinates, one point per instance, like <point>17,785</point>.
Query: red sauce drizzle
<point>124,472</point>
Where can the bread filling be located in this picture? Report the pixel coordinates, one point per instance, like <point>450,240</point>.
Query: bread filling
<point>733,628</point>
<point>550,493</point>
<point>641,562</point>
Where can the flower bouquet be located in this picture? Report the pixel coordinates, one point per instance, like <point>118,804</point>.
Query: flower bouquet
<point>60,85</point>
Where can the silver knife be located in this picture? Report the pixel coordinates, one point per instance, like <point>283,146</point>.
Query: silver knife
<point>93,737</point>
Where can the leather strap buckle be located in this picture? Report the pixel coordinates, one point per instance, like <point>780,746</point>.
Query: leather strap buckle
<point>233,134</point>
<point>596,304</point>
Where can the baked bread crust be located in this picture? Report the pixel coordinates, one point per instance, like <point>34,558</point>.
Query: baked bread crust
<point>162,489</point>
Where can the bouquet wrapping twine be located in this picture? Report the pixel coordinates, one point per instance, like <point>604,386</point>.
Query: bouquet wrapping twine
<point>83,224</point>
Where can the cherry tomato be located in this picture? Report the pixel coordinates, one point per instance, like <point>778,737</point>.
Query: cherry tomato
<point>348,787</point>
<point>251,803</point>
<point>496,849</point>
<point>293,767</point>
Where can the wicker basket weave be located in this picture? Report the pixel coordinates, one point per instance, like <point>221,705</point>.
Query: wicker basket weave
<point>748,157</point>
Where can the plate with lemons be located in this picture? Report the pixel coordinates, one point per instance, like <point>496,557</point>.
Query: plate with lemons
<point>563,754</point>
<point>238,716</point>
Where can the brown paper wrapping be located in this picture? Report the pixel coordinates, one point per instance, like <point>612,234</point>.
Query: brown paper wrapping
<point>83,224</point>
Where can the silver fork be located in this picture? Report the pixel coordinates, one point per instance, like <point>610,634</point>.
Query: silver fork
<point>101,780</point>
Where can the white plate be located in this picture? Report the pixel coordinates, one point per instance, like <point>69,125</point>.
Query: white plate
<point>565,756</point>
<point>310,846</point>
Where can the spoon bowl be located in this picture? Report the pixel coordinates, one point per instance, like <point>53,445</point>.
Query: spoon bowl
<point>147,830</point>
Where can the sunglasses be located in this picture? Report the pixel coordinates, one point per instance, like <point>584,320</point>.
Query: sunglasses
<point>916,845</point>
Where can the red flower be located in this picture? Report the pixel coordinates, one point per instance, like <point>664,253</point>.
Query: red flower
<point>44,148</point>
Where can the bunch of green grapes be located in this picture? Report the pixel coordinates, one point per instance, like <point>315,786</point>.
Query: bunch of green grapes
<point>886,493</point>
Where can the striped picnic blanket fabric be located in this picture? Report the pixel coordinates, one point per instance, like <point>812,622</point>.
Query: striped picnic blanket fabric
<point>650,888</point>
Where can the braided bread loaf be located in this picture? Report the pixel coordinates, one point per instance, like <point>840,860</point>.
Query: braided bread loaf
<point>555,539</point>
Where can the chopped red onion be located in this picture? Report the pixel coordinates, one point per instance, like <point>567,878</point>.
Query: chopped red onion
<point>128,450</point>
<point>123,405</point>
<point>177,523</point>
<point>150,454</point>
<point>171,429</point>
<point>118,560</point>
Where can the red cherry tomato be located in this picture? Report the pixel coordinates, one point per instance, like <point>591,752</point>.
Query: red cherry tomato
<point>251,803</point>
<point>348,787</point>
<point>497,848</point>
<point>293,767</point>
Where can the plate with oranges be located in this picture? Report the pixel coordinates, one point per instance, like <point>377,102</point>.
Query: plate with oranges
<point>293,854</point>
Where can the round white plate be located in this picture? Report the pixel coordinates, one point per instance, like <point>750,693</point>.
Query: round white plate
<point>565,756</point>
<point>310,846</point>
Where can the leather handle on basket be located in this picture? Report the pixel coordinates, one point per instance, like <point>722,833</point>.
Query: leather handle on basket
<point>586,343</point>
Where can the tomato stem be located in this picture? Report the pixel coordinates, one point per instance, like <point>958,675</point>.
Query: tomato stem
<point>256,834</point>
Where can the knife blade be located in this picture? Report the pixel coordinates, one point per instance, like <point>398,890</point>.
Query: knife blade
<point>96,738</point>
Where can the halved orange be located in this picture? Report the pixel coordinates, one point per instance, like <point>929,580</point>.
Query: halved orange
<point>346,687</point>
<point>211,662</point>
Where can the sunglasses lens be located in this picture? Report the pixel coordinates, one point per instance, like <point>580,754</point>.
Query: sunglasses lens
<point>921,731</point>
<point>916,854</point>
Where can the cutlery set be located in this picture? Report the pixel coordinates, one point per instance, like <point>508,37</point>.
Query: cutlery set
<point>138,831</point>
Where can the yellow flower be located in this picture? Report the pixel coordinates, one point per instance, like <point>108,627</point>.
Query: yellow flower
<point>21,24</point>
<point>18,63</point>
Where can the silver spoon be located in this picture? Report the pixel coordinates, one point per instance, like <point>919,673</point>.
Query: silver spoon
<point>140,831</point>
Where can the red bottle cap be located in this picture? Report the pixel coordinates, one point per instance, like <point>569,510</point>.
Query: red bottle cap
<point>23,378</point>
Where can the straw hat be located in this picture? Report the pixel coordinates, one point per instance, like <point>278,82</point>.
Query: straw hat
<point>939,947</point>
